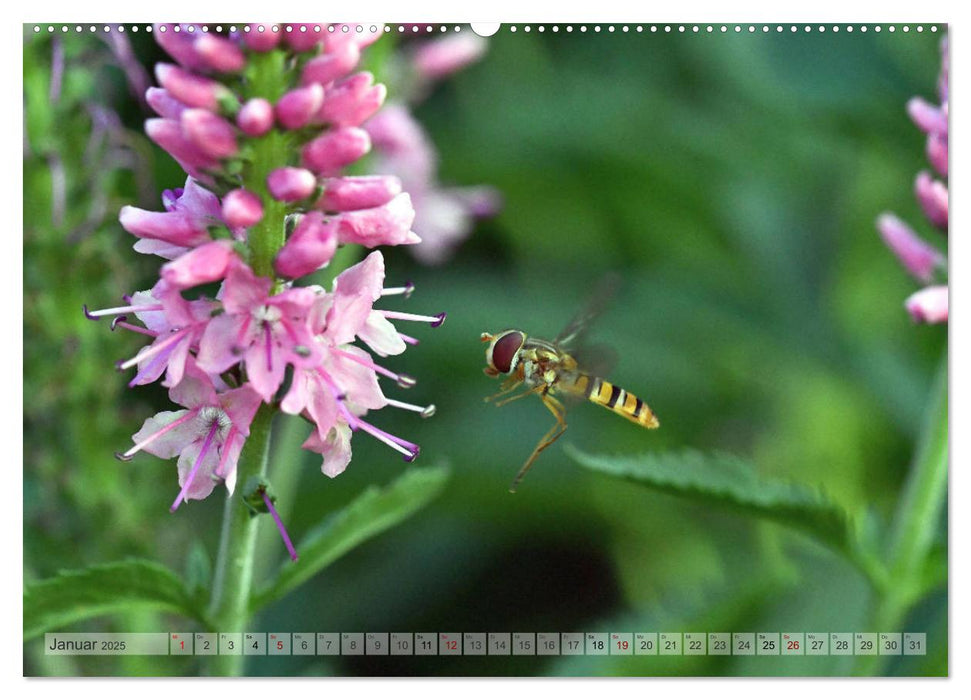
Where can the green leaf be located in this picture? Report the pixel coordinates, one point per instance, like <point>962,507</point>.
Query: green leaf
<point>72,596</point>
<point>370,514</point>
<point>198,572</point>
<point>730,482</point>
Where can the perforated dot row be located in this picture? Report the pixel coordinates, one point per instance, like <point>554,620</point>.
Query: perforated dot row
<point>246,29</point>
<point>721,28</point>
<point>427,29</point>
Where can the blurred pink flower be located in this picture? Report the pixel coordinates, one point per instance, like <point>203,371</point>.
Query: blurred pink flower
<point>923,261</point>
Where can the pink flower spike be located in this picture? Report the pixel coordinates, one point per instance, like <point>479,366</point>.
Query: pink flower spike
<point>917,257</point>
<point>311,246</point>
<point>291,184</point>
<point>207,263</point>
<point>927,117</point>
<point>352,101</point>
<point>441,57</point>
<point>929,305</point>
<point>389,224</point>
<point>191,89</point>
<point>932,196</point>
<point>255,118</point>
<point>937,153</point>
<point>211,134</point>
<point>242,209</point>
<point>296,108</point>
<point>330,66</point>
<point>261,36</point>
<point>220,54</point>
<point>361,192</point>
<point>336,148</point>
<point>279,525</point>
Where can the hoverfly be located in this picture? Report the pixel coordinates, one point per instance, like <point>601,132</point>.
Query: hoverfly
<point>548,368</point>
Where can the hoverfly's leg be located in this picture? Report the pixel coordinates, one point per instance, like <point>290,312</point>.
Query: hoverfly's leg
<point>509,385</point>
<point>559,412</point>
<point>533,390</point>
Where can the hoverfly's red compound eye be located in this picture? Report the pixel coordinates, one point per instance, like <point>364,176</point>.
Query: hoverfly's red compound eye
<point>505,349</point>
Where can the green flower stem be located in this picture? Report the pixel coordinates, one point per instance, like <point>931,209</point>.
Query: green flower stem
<point>266,77</point>
<point>916,522</point>
<point>233,580</point>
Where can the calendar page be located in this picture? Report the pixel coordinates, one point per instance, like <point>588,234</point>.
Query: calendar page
<point>523,349</point>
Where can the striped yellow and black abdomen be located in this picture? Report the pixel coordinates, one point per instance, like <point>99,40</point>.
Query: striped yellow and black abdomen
<point>611,396</point>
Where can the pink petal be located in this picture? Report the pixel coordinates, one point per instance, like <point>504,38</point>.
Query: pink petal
<point>380,335</point>
<point>240,405</point>
<point>919,258</point>
<point>207,263</point>
<point>929,305</point>
<point>170,443</point>
<point>218,347</point>
<point>202,482</point>
<point>311,246</point>
<point>389,224</point>
<point>360,192</point>
<point>441,57</point>
<point>336,449</point>
<point>195,389</point>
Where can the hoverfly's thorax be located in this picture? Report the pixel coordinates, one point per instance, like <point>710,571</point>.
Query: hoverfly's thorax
<point>502,355</point>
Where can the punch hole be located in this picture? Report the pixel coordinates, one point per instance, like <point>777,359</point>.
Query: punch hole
<point>484,28</point>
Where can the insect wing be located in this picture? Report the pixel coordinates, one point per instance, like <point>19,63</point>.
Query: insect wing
<point>596,359</point>
<point>573,334</point>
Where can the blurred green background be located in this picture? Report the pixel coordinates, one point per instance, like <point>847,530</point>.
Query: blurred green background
<point>732,180</point>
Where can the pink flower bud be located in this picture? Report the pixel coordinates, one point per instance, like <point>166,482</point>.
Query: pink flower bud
<point>291,184</point>
<point>362,192</point>
<point>927,117</point>
<point>295,109</point>
<point>180,44</point>
<point>255,118</point>
<point>310,247</point>
<point>929,305</point>
<point>328,67</point>
<point>303,37</point>
<point>210,133</point>
<point>207,263</point>
<point>171,227</point>
<point>163,103</point>
<point>442,57</point>
<point>219,53</point>
<point>937,153</point>
<point>167,133</point>
<point>191,89</point>
<point>352,101</point>
<point>241,209</point>
<point>932,195</point>
<point>262,40</point>
<point>389,224</point>
<point>917,257</point>
<point>334,149</point>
